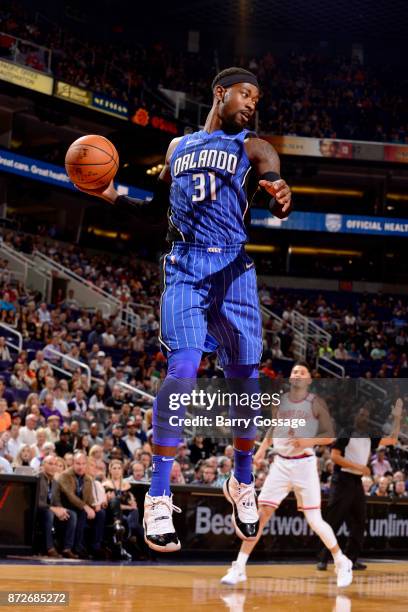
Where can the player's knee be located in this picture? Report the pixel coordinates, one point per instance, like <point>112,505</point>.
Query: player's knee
<point>314,519</point>
<point>184,363</point>
<point>241,371</point>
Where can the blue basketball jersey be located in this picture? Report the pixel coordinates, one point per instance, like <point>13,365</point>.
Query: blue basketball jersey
<point>208,199</point>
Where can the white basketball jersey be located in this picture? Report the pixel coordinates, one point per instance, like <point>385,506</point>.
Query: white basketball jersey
<point>295,410</point>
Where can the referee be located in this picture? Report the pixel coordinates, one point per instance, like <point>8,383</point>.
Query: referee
<point>347,500</point>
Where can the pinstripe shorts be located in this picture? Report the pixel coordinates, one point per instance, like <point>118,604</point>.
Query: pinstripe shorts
<point>210,302</point>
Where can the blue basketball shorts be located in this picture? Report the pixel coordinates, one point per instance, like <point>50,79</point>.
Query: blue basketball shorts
<point>210,302</point>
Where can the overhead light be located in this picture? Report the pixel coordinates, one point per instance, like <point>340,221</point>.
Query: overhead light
<point>261,248</point>
<point>97,231</point>
<point>350,193</point>
<point>298,250</point>
<point>104,233</point>
<point>155,169</point>
<point>398,197</point>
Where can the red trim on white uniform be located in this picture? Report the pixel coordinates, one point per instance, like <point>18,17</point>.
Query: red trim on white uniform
<point>310,508</point>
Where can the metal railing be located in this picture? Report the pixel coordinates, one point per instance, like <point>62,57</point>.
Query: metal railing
<point>327,365</point>
<point>105,309</point>
<point>65,357</point>
<point>90,296</point>
<point>13,332</point>
<point>135,390</point>
<point>309,329</point>
<point>26,53</point>
<point>299,341</point>
<point>25,270</point>
<point>53,366</point>
<point>142,393</point>
<point>85,291</point>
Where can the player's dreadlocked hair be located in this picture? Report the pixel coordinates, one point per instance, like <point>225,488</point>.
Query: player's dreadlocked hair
<point>233,75</point>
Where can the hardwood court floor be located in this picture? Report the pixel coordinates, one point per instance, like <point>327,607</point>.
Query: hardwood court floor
<point>284,588</point>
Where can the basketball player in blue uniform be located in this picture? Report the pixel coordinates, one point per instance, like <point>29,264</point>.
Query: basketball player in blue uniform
<point>209,297</point>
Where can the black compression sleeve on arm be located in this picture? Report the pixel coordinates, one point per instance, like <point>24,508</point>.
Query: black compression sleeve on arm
<point>261,196</point>
<point>270,176</point>
<point>131,204</point>
<point>155,207</point>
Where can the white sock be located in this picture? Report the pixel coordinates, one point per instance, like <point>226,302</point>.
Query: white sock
<point>242,559</point>
<point>337,556</point>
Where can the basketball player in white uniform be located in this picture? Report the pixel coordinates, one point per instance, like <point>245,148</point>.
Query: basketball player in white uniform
<point>295,469</point>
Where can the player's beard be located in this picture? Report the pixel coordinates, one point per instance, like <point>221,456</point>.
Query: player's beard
<point>232,125</point>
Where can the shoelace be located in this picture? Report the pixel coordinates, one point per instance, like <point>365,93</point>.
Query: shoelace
<point>162,508</point>
<point>245,508</point>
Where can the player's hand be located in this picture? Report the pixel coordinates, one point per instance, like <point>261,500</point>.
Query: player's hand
<point>107,193</point>
<point>90,512</point>
<point>397,410</point>
<point>279,190</point>
<point>366,471</point>
<point>257,461</point>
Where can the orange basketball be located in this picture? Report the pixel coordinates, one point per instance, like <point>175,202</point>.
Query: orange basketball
<point>91,162</point>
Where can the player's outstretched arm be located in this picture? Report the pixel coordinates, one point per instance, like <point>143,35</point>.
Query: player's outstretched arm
<point>393,437</point>
<point>273,191</point>
<point>261,452</point>
<point>156,206</point>
<point>326,429</point>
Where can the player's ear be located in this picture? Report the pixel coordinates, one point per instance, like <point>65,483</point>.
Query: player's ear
<point>219,92</point>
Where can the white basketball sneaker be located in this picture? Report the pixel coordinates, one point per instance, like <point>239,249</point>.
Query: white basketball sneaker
<point>235,574</point>
<point>344,570</point>
<point>158,525</point>
<point>245,517</point>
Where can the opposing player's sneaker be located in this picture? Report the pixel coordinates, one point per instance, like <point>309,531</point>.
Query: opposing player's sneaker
<point>344,571</point>
<point>158,525</point>
<point>245,517</point>
<point>235,574</point>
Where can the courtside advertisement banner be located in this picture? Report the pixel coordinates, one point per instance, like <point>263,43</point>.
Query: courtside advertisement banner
<point>205,525</point>
<point>338,149</point>
<point>97,101</point>
<point>24,77</point>
<point>78,95</point>
<point>333,223</point>
<point>116,108</point>
<point>54,175</point>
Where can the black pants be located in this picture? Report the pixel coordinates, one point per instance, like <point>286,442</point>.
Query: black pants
<point>48,520</point>
<point>347,503</point>
<point>97,526</point>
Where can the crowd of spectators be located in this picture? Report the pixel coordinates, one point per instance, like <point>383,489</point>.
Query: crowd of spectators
<point>93,437</point>
<point>366,332</point>
<point>304,94</point>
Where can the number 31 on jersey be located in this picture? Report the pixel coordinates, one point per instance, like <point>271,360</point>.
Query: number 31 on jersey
<point>203,187</point>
